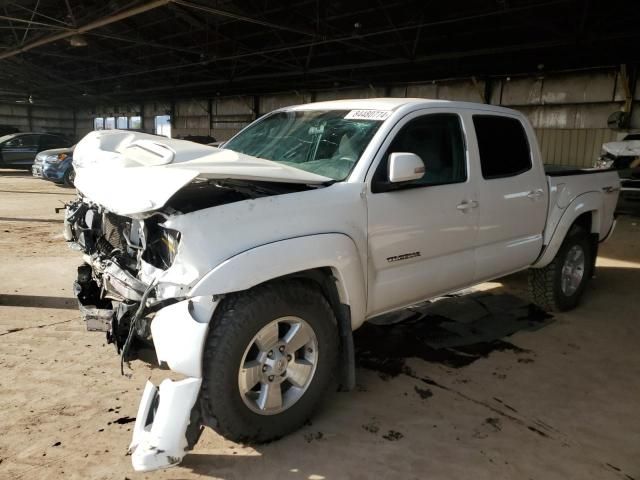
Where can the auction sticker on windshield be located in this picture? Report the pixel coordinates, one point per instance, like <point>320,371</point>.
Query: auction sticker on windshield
<point>368,115</point>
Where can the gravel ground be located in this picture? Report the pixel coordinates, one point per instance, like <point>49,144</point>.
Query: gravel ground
<point>561,402</point>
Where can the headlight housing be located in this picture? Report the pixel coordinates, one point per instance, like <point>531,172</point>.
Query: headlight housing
<point>162,248</point>
<point>604,162</point>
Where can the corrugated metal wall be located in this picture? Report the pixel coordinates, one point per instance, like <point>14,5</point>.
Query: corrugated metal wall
<point>573,146</point>
<point>569,111</point>
<point>37,118</point>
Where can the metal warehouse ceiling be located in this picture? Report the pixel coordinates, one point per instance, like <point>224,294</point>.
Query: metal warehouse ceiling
<point>85,51</point>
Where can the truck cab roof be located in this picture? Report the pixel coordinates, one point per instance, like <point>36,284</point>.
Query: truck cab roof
<point>394,104</point>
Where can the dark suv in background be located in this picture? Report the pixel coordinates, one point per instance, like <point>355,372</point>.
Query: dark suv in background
<point>18,150</point>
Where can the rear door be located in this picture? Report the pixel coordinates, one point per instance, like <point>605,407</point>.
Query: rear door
<point>421,234</point>
<point>48,142</point>
<point>512,195</point>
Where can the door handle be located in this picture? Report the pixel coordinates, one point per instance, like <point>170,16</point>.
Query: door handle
<point>464,206</point>
<point>533,194</point>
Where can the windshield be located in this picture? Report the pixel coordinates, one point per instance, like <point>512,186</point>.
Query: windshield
<point>4,138</point>
<point>324,142</point>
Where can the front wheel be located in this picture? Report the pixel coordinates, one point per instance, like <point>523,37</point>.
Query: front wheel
<point>269,358</point>
<point>69,177</point>
<point>559,285</point>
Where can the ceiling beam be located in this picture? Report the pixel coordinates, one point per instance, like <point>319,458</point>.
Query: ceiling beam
<point>243,18</point>
<point>86,28</point>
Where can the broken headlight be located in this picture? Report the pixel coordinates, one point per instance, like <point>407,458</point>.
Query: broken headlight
<point>603,163</point>
<point>162,248</point>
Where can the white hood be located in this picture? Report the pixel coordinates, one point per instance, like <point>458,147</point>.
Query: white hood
<point>629,148</point>
<point>131,172</point>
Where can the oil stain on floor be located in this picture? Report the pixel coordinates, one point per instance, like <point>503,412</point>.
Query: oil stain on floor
<point>455,331</point>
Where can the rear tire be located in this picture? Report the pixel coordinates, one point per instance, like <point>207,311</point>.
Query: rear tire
<point>238,353</point>
<point>559,285</point>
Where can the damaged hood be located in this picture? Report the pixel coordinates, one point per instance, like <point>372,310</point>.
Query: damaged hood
<point>130,172</point>
<point>629,148</point>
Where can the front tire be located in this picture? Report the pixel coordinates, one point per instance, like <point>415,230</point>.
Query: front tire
<point>559,285</point>
<point>69,177</point>
<point>270,357</point>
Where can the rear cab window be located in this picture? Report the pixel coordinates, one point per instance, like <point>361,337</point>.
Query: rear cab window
<point>503,146</point>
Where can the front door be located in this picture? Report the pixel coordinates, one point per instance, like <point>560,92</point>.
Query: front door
<point>21,150</point>
<point>421,234</point>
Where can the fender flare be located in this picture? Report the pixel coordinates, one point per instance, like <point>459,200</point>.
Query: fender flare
<point>585,203</point>
<point>273,260</point>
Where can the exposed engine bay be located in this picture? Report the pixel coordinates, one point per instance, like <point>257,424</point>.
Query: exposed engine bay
<point>124,256</point>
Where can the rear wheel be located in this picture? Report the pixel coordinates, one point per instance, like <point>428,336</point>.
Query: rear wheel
<point>559,285</point>
<point>269,359</point>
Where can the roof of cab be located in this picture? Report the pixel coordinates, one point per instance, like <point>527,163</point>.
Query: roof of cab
<point>392,104</point>
<point>365,103</point>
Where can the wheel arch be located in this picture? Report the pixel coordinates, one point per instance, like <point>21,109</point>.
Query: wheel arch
<point>585,211</point>
<point>330,260</point>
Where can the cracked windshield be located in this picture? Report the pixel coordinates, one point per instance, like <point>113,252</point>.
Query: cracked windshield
<point>323,142</point>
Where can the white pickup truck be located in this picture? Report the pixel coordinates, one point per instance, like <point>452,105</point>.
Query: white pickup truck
<point>248,267</point>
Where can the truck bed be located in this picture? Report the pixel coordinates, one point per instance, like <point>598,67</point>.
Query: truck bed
<point>565,170</point>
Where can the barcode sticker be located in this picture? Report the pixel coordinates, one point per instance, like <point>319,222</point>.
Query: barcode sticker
<point>368,115</point>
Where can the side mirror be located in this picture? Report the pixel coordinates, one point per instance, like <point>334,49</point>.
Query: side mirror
<point>405,166</point>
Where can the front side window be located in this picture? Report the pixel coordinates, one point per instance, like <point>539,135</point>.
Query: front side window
<point>98,123</point>
<point>324,142</point>
<point>23,141</point>
<point>439,142</point>
<point>503,145</point>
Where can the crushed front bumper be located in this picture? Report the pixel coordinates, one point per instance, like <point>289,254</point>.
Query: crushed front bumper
<point>159,435</point>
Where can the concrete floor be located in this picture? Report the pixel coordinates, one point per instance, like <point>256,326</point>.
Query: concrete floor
<point>565,406</point>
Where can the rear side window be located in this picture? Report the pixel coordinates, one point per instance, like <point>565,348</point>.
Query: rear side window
<point>49,141</point>
<point>503,146</point>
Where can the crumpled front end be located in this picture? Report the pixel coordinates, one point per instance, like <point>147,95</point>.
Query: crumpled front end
<point>132,287</point>
<point>144,224</point>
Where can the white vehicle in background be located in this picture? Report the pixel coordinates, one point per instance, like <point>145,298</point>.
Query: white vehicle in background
<point>624,157</point>
<point>249,267</point>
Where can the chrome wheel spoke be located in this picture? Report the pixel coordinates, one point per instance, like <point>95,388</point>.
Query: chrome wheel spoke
<point>267,337</point>
<point>270,397</point>
<point>250,375</point>
<point>297,337</point>
<point>299,372</point>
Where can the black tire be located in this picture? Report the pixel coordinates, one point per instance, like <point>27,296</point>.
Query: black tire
<point>236,321</point>
<point>545,284</point>
<point>69,177</point>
